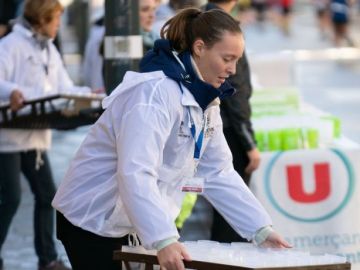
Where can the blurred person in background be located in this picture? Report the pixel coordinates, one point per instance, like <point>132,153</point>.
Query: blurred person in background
<point>260,7</point>
<point>322,8</point>
<point>286,7</point>
<point>92,67</point>
<point>147,9</point>
<point>166,11</point>
<point>235,113</point>
<point>31,67</point>
<point>93,72</point>
<point>340,19</point>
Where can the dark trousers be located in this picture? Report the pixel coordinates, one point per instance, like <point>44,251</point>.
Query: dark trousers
<point>87,250</point>
<point>220,230</point>
<point>42,186</point>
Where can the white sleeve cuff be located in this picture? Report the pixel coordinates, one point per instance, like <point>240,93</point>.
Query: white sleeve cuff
<point>262,234</point>
<point>164,243</point>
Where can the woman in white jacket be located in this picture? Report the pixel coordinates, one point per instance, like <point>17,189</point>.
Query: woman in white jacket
<point>31,67</point>
<point>161,134</point>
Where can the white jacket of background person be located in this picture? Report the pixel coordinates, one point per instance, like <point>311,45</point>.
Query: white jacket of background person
<point>93,60</point>
<point>127,174</point>
<point>23,66</point>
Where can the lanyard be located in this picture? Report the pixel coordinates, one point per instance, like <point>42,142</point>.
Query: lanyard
<point>199,139</point>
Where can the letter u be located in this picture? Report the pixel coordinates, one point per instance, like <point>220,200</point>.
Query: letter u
<point>296,187</point>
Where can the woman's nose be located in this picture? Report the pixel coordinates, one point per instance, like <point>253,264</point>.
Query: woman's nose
<point>232,69</point>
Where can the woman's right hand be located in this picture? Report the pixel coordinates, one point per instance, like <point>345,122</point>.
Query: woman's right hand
<point>16,100</point>
<point>171,257</point>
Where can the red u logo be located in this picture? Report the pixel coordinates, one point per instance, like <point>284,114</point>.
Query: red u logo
<point>322,183</point>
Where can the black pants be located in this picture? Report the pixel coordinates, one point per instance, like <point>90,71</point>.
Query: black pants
<point>220,230</point>
<point>43,188</point>
<point>86,250</point>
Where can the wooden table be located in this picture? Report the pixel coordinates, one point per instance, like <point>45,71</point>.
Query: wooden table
<point>151,260</point>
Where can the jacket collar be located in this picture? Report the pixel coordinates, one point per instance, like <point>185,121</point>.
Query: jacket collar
<point>23,27</point>
<point>187,98</point>
<point>179,68</point>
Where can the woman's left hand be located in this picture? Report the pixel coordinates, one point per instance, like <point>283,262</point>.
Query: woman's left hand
<point>274,240</point>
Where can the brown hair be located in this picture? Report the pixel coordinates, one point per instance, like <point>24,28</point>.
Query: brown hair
<point>190,24</point>
<point>38,12</point>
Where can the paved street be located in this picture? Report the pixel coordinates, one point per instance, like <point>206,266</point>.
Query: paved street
<point>329,82</point>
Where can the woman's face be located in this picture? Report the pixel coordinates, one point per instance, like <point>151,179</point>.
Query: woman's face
<point>147,14</point>
<point>50,29</point>
<point>218,62</point>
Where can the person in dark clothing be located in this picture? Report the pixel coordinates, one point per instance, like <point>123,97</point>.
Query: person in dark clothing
<point>340,18</point>
<point>235,113</point>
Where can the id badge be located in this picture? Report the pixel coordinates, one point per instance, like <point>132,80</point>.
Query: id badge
<point>193,184</point>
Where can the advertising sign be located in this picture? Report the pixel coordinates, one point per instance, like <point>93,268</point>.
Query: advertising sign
<point>313,198</point>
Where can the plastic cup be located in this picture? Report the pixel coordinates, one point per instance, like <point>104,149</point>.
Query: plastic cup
<point>290,139</point>
<point>312,136</point>
<point>274,140</point>
<point>336,122</point>
<point>337,127</point>
<point>260,137</point>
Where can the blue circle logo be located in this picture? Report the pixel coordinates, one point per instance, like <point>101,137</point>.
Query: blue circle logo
<point>315,211</point>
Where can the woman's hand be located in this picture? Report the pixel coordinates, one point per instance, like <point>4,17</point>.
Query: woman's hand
<point>274,240</point>
<point>100,90</point>
<point>16,100</point>
<point>254,160</point>
<point>171,257</point>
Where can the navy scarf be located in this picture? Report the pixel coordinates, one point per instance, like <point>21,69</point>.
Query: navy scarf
<point>161,57</point>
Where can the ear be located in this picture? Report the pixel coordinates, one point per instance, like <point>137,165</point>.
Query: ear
<point>42,22</point>
<point>198,47</point>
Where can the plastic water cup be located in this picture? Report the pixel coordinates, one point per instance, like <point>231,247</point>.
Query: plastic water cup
<point>260,137</point>
<point>290,139</point>
<point>337,127</point>
<point>336,123</point>
<point>274,140</point>
<point>312,137</point>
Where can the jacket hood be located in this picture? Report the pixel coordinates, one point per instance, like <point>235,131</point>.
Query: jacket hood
<point>179,68</point>
<point>131,79</point>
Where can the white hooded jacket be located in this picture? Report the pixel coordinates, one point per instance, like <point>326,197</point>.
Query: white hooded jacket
<point>126,176</point>
<point>22,67</point>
